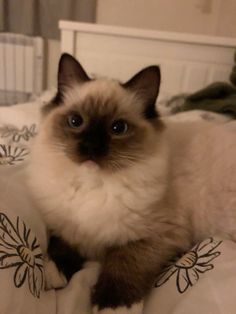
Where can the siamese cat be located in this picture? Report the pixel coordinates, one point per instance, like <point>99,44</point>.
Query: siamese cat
<point>124,187</point>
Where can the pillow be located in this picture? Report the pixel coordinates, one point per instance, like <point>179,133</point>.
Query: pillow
<point>18,126</point>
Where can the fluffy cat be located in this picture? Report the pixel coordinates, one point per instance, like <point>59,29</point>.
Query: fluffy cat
<point>124,187</point>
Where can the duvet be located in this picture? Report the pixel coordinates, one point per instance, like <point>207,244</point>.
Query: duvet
<point>201,281</point>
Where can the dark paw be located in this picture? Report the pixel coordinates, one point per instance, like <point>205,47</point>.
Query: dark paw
<point>67,258</point>
<point>114,293</point>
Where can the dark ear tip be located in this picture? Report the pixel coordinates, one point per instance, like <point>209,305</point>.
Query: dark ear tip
<point>70,70</point>
<point>66,56</point>
<point>155,69</point>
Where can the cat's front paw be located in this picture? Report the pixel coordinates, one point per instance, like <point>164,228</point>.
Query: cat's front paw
<point>113,295</point>
<point>75,298</point>
<point>53,277</point>
<point>136,308</point>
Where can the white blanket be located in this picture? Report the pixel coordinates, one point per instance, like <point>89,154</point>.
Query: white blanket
<point>202,281</point>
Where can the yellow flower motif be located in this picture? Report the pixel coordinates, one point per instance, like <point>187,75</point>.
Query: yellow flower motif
<point>20,250</point>
<point>189,267</point>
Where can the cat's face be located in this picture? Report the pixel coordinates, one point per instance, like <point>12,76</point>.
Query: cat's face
<point>103,122</point>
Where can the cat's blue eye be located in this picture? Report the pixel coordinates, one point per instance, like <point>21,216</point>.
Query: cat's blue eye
<point>74,120</point>
<point>119,127</point>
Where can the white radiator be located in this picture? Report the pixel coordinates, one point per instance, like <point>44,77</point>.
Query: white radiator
<point>21,67</point>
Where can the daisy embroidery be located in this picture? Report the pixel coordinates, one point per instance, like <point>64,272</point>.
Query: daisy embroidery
<point>9,155</point>
<point>189,268</point>
<point>25,133</point>
<point>20,250</point>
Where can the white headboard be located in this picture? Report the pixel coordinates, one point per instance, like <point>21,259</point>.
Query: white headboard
<point>188,62</point>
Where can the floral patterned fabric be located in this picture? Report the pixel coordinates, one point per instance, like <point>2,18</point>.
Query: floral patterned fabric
<point>202,281</point>
<point>23,237</point>
<point>16,136</point>
<point>20,250</point>
<point>188,269</point>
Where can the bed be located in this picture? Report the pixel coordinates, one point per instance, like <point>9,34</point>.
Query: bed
<point>194,283</point>
<point>188,62</point>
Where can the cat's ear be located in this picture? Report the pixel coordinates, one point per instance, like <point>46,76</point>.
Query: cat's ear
<point>146,84</point>
<point>70,72</point>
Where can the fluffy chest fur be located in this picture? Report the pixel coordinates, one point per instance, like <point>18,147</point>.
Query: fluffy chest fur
<point>91,209</point>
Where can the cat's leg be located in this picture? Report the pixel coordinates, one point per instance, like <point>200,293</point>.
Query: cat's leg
<point>61,263</point>
<point>127,275</point>
<point>67,258</point>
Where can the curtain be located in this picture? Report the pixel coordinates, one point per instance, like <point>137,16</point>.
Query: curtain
<point>40,17</point>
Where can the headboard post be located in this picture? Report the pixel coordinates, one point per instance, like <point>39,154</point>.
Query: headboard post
<point>68,41</point>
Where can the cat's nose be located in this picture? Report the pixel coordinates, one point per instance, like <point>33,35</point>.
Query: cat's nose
<point>92,150</point>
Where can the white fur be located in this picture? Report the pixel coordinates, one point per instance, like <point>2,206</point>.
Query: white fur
<point>87,206</point>
<point>202,185</point>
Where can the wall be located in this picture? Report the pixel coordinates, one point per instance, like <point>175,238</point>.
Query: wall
<point>209,17</point>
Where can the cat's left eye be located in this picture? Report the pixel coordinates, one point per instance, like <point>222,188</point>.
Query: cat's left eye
<point>74,120</point>
<point>119,127</point>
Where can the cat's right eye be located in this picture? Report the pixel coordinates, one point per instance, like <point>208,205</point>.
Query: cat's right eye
<point>74,121</point>
<point>119,127</point>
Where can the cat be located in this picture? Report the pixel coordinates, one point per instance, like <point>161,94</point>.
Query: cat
<point>125,187</point>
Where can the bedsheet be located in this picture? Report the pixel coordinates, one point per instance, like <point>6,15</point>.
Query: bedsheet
<point>201,281</point>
